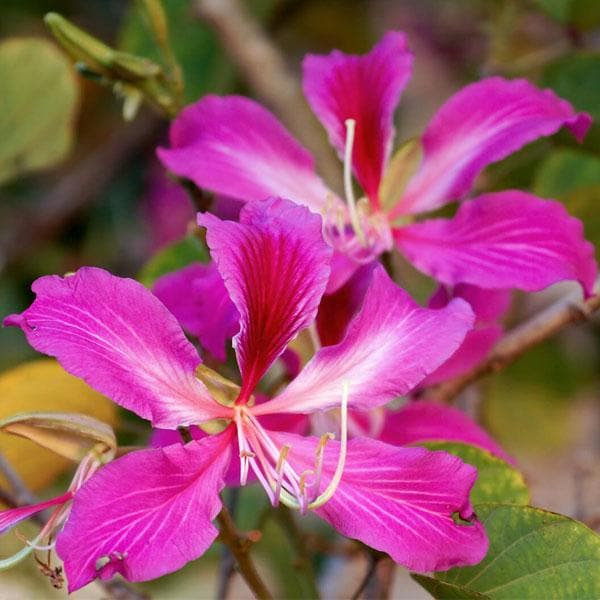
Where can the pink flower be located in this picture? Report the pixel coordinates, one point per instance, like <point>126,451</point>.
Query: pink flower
<point>508,239</point>
<point>151,511</point>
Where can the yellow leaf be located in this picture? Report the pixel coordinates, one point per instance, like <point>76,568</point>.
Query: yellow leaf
<point>42,385</point>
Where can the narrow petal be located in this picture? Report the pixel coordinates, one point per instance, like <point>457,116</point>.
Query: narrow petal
<point>364,88</point>
<point>421,421</point>
<point>389,347</point>
<point>11,517</point>
<point>275,266</point>
<point>115,335</point>
<point>481,124</point>
<point>197,296</point>
<point>502,240</point>
<point>235,147</point>
<point>399,500</point>
<point>147,513</point>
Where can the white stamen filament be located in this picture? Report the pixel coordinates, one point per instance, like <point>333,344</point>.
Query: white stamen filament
<point>348,190</point>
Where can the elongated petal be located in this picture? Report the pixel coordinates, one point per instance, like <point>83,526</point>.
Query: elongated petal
<point>421,421</point>
<point>389,347</point>
<point>115,335</point>
<point>364,88</point>
<point>11,517</point>
<point>197,296</point>
<point>147,513</point>
<point>502,240</point>
<point>275,265</point>
<point>399,500</point>
<point>481,124</point>
<point>235,147</point>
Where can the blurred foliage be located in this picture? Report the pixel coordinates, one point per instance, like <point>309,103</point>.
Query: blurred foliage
<point>37,106</point>
<point>43,385</point>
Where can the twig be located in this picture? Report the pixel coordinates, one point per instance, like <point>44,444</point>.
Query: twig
<point>379,586</point>
<point>373,561</point>
<point>262,65</point>
<point>75,191</point>
<point>564,312</point>
<point>227,562</point>
<point>119,589</point>
<point>239,546</point>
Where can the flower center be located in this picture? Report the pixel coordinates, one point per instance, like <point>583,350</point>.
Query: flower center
<point>282,482</point>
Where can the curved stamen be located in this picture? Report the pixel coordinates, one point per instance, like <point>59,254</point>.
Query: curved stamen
<point>348,190</point>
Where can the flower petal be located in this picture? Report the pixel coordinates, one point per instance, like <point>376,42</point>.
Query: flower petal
<point>146,514</point>
<point>235,147</point>
<point>364,88</point>
<point>389,347</point>
<point>421,421</point>
<point>481,124</point>
<point>502,240</point>
<point>11,517</point>
<point>275,266</point>
<point>197,296</point>
<point>399,500</point>
<point>115,335</point>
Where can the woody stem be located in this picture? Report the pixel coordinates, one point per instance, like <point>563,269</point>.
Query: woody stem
<point>240,548</point>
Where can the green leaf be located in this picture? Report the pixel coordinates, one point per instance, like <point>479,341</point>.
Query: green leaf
<point>497,481</point>
<point>533,554</point>
<point>37,106</point>
<point>175,256</point>
<point>576,77</point>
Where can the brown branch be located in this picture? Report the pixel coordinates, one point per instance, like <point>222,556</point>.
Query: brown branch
<point>239,545</point>
<point>566,311</point>
<point>76,190</point>
<point>265,71</point>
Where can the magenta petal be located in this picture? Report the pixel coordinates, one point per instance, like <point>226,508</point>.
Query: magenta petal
<point>389,347</point>
<point>422,421</point>
<point>399,500</point>
<point>235,147</point>
<point>481,124</point>
<point>115,335</point>
<point>146,514</point>
<point>275,265</point>
<point>502,240</point>
<point>11,517</point>
<point>197,296</point>
<point>364,88</point>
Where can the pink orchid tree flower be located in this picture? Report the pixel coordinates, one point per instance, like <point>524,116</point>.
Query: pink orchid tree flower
<point>509,239</point>
<point>151,511</point>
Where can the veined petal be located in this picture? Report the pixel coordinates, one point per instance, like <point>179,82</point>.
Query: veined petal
<point>398,500</point>
<point>481,124</point>
<point>115,335</point>
<point>421,421</point>
<point>197,296</point>
<point>233,146</point>
<point>275,266</point>
<point>502,240</point>
<point>146,514</point>
<point>389,347</point>
<point>11,517</point>
<point>364,88</point>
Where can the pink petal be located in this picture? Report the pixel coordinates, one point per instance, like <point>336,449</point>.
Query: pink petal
<point>275,265</point>
<point>481,124</point>
<point>399,500</point>
<point>11,517</point>
<point>197,296</point>
<point>146,514</point>
<point>235,147</point>
<point>115,335</point>
<point>167,207</point>
<point>364,88</point>
<point>389,347</point>
<point>502,240</point>
<point>488,305</point>
<point>422,421</point>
